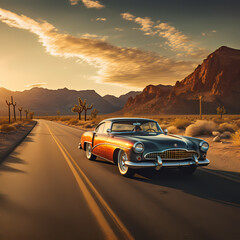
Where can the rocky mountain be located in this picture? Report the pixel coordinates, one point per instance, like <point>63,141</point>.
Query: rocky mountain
<point>44,101</point>
<point>120,101</point>
<point>217,80</point>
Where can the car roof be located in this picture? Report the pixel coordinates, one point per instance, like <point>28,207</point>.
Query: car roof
<point>126,119</point>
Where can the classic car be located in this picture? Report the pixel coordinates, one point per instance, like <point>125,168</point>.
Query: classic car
<point>133,143</point>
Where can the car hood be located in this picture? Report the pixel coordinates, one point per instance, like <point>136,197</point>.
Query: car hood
<point>161,142</point>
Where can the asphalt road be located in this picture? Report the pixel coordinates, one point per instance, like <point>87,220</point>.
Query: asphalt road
<point>49,190</point>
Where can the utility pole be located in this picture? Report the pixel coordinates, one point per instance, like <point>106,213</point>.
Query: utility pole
<point>200,106</point>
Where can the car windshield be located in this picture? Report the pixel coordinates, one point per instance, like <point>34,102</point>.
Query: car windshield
<point>136,126</point>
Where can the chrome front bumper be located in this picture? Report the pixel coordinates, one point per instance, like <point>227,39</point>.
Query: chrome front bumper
<point>158,164</point>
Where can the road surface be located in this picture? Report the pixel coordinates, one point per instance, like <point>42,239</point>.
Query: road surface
<point>49,190</point>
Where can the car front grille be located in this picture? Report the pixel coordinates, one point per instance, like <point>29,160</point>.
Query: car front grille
<point>172,154</point>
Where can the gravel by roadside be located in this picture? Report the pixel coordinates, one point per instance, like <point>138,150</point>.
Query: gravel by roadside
<point>9,141</point>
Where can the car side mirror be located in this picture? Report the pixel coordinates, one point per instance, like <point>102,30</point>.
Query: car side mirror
<point>108,130</point>
<point>165,131</point>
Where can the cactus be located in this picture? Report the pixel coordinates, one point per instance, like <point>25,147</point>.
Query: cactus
<point>221,111</point>
<point>14,110</point>
<point>78,108</point>
<point>26,111</point>
<point>94,113</point>
<point>20,111</point>
<point>9,112</point>
<point>85,108</point>
<point>31,115</point>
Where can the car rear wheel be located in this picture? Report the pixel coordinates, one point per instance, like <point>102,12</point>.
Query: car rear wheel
<point>89,154</point>
<point>123,169</point>
<point>188,170</point>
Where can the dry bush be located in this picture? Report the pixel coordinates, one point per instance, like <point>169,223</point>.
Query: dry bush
<point>172,129</point>
<point>181,123</point>
<point>236,137</point>
<point>7,128</point>
<point>73,121</point>
<point>237,122</point>
<point>227,127</point>
<point>88,125</point>
<point>226,135</point>
<point>201,127</point>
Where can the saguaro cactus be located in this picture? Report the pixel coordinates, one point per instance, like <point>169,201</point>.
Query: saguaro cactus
<point>86,108</point>
<point>20,111</point>
<point>31,115</point>
<point>94,113</point>
<point>9,112</point>
<point>26,111</point>
<point>14,106</point>
<point>221,111</point>
<point>78,109</point>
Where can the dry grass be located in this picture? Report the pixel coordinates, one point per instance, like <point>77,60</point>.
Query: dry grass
<point>236,137</point>
<point>7,128</point>
<point>181,123</point>
<point>201,127</point>
<point>230,127</point>
<point>172,130</point>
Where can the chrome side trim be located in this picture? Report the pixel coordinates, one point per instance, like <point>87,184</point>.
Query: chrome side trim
<point>169,149</point>
<point>104,158</point>
<point>110,145</point>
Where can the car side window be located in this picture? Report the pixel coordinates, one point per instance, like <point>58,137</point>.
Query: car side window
<point>100,128</point>
<point>106,127</point>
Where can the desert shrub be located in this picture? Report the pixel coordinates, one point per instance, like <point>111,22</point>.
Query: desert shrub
<point>201,127</point>
<point>172,129</point>
<point>223,127</point>
<point>236,137</point>
<point>237,122</point>
<point>88,125</point>
<point>226,135</point>
<point>181,123</point>
<point>73,121</point>
<point>7,128</point>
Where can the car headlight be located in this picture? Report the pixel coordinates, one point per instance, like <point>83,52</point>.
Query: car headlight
<point>138,147</point>
<point>204,146</point>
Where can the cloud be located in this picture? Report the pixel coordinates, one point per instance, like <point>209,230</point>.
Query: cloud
<point>103,19</point>
<point>175,39</point>
<point>209,33</point>
<point>119,29</point>
<point>116,65</point>
<point>94,36</point>
<point>33,85</point>
<point>88,3</point>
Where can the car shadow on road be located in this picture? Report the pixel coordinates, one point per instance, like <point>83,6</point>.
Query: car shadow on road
<point>208,185</point>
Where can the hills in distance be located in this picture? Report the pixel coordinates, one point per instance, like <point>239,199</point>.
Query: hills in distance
<point>47,102</point>
<point>217,80</point>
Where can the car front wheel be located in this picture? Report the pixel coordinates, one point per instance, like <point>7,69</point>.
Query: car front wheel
<point>123,169</point>
<point>89,154</point>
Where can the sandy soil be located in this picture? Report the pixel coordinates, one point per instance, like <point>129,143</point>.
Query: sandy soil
<point>8,141</point>
<point>223,155</point>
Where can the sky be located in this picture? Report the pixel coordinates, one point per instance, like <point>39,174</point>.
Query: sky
<point>111,46</point>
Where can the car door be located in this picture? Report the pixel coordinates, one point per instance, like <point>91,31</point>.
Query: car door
<point>100,146</point>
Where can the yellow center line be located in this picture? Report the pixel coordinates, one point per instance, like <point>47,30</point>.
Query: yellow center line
<point>220,175</point>
<point>88,197</point>
<point>91,202</point>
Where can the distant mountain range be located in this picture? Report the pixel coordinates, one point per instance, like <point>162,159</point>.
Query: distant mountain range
<point>47,102</point>
<point>217,80</point>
